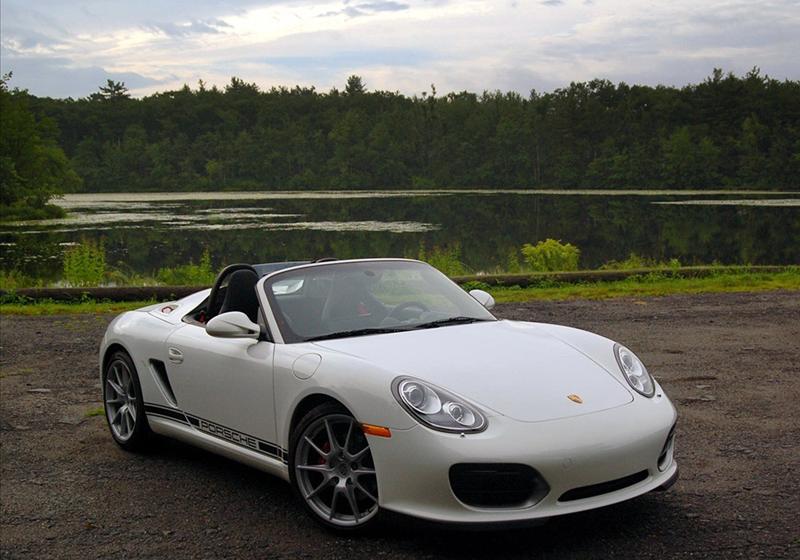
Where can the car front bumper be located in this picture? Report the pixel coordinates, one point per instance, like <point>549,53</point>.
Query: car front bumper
<point>413,465</point>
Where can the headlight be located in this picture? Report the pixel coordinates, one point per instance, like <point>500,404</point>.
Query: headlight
<point>634,371</point>
<point>437,408</point>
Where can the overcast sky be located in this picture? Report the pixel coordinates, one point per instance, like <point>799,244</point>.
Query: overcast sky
<point>68,48</point>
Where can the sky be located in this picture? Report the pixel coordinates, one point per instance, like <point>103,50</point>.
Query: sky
<point>68,48</point>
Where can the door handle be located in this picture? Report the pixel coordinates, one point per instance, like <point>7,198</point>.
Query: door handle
<point>175,356</point>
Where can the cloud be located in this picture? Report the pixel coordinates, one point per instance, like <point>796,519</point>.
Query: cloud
<point>54,74</point>
<point>61,48</point>
<point>340,60</point>
<point>367,8</point>
<point>194,27</point>
<point>18,40</point>
<point>383,6</point>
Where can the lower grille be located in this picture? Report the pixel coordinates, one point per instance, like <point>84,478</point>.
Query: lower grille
<point>602,488</point>
<point>497,485</point>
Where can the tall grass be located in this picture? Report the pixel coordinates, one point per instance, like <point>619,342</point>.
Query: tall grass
<point>551,256</point>
<point>11,280</point>
<point>85,264</point>
<point>191,274</point>
<point>636,261</point>
<point>446,259</point>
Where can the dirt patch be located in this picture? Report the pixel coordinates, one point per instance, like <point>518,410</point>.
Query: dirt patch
<point>730,362</point>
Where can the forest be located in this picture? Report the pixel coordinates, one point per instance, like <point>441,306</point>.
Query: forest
<point>738,132</point>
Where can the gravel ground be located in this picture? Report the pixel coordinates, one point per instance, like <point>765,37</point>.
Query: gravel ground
<point>728,361</point>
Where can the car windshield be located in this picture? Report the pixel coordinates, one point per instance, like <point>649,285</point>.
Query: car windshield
<point>345,299</point>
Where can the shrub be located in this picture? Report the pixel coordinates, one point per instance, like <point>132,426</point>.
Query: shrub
<point>551,255</point>
<point>512,265</point>
<point>123,275</point>
<point>447,260</point>
<point>636,261</point>
<point>11,280</point>
<point>85,264</point>
<point>189,274</point>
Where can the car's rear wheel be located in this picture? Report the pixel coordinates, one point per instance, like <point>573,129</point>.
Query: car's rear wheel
<point>124,406</point>
<point>332,470</point>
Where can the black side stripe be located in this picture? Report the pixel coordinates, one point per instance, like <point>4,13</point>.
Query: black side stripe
<point>165,412</point>
<point>213,429</point>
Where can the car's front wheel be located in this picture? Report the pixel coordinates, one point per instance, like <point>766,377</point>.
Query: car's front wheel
<point>124,405</point>
<point>332,470</point>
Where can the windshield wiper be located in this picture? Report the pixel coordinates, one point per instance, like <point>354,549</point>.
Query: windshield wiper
<point>355,332</point>
<point>385,330</point>
<point>448,321</point>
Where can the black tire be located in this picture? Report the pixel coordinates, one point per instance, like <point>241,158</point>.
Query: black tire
<point>139,437</point>
<point>363,485</point>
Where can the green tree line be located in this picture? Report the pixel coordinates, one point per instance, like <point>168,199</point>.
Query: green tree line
<point>33,167</point>
<point>728,131</point>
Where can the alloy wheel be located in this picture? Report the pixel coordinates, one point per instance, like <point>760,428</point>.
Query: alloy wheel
<point>120,397</point>
<point>335,472</point>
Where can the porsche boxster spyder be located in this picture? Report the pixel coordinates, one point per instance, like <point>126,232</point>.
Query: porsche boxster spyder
<point>379,384</point>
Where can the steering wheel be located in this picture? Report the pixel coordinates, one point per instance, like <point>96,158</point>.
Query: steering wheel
<point>407,305</point>
<point>214,301</point>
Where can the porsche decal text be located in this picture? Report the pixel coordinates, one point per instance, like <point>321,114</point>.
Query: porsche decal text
<point>216,430</point>
<point>227,433</point>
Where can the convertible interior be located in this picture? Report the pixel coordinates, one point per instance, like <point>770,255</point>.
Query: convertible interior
<point>235,290</point>
<point>321,300</point>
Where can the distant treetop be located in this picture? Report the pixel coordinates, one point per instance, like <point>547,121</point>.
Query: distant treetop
<point>355,85</point>
<point>724,132</point>
<point>111,91</point>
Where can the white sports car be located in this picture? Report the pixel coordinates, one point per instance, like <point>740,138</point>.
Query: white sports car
<point>379,384</point>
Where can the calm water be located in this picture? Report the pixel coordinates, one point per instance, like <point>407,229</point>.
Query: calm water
<point>143,232</point>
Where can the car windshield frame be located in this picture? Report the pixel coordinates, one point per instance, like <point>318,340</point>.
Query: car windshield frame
<point>468,309</point>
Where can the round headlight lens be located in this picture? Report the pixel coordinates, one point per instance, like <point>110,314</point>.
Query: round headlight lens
<point>420,397</point>
<point>634,371</point>
<point>460,413</point>
<point>437,408</point>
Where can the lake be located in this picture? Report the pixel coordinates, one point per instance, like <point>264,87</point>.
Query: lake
<point>143,232</point>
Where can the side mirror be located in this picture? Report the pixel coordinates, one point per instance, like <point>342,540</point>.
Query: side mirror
<point>484,298</point>
<point>233,324</point>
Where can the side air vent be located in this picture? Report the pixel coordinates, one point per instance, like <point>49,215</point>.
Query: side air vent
<point>162,379</point>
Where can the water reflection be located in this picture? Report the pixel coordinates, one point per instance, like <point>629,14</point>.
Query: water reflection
<point>782,202</point>
<point>152,230</point>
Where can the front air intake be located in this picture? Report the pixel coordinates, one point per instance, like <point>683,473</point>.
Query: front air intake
<point>497,485</point>
<point>602,488</point>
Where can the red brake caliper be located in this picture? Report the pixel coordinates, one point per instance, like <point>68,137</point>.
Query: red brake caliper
<point>326,448</point>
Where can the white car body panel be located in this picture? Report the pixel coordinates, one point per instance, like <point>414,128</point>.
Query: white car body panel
<point>493,364</point>
<point>568,453</point>
<point>519,374</point>
<point>237,397</point>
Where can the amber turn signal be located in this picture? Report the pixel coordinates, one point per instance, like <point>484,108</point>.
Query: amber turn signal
<point>379,431</point>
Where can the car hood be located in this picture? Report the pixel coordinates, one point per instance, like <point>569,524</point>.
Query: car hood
<point>516,369</point>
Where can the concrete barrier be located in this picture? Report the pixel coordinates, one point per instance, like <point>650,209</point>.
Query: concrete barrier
<point>166,293</point>
<point>584,276</point>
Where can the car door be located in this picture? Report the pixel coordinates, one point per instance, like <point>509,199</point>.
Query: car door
<point>224,385</point>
